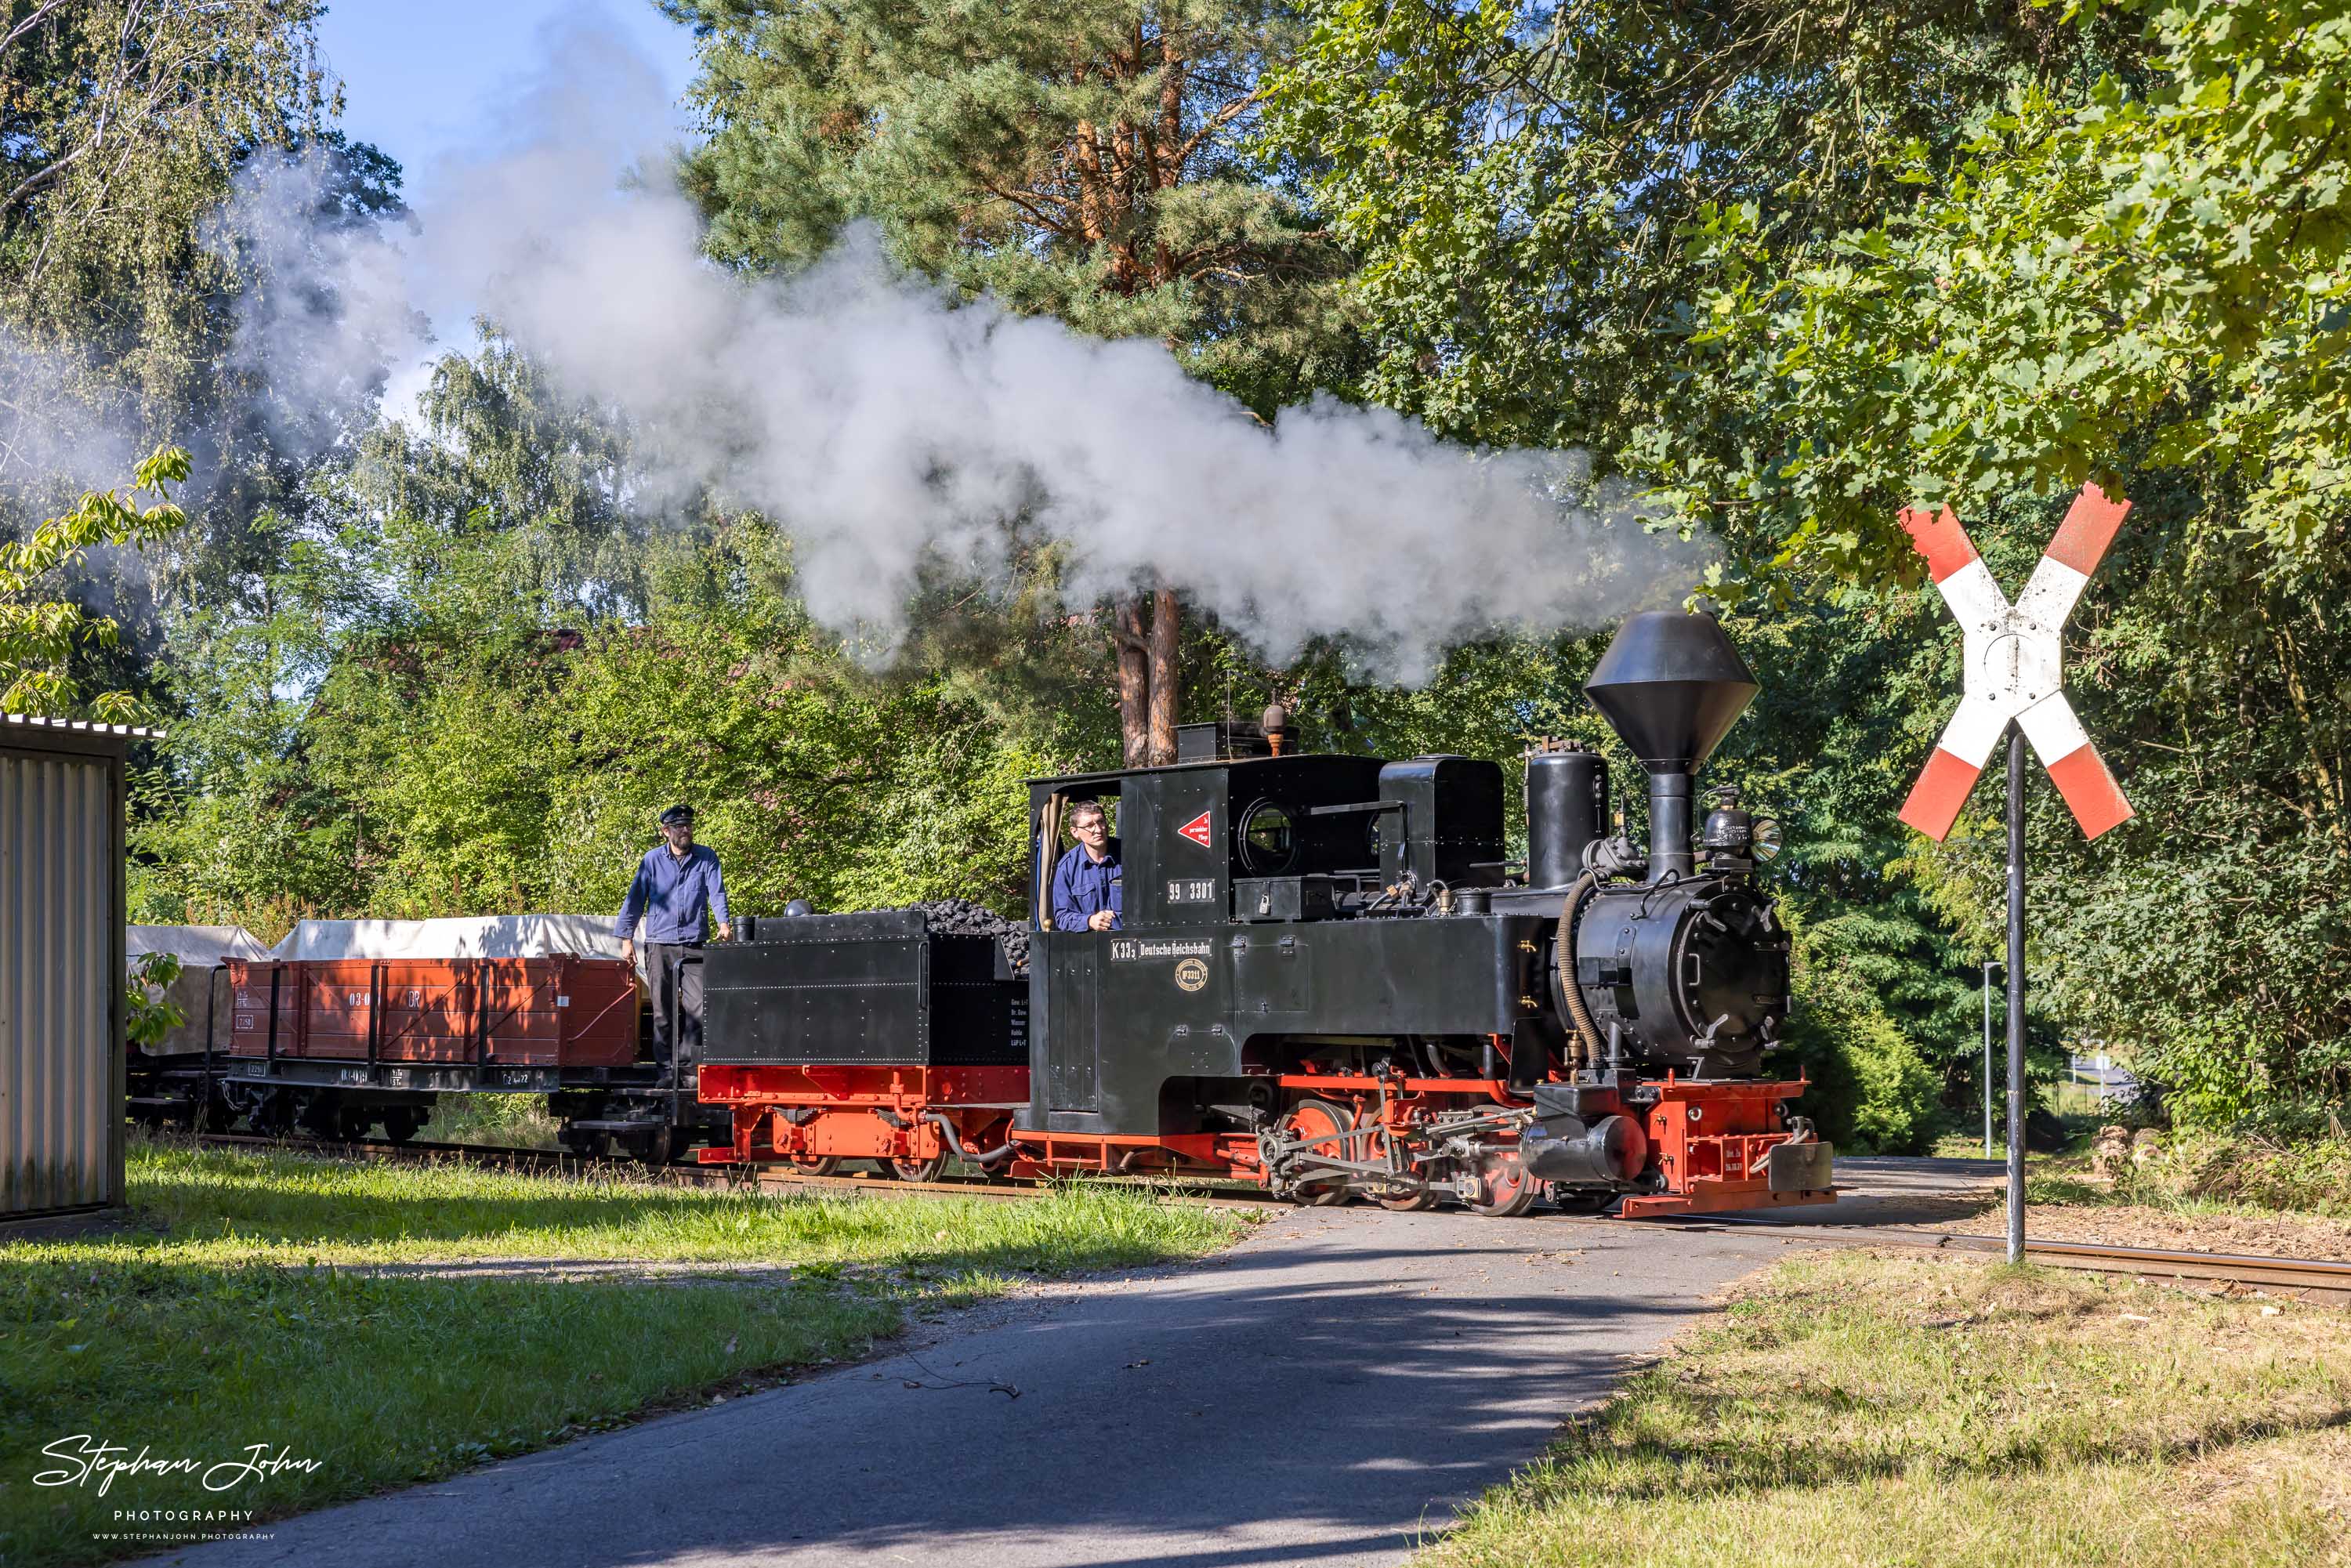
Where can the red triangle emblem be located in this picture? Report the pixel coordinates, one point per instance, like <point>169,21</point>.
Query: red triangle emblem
<point>1196,830</point>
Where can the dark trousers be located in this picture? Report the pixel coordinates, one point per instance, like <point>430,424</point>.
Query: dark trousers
<point>676,988</point>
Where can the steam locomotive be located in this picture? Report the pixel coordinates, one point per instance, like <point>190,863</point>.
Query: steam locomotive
<point>1326,981</point>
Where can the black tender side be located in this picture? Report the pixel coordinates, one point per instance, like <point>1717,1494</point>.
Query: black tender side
<point>884,988</point>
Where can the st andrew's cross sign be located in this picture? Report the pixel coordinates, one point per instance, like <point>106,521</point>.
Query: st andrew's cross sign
<point>2014,684</point>
<point>2014,669</point>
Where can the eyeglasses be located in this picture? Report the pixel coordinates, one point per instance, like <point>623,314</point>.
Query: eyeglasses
<point>1095,827</point>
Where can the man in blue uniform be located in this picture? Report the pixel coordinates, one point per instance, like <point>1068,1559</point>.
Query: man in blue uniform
<point>675,882</point>
<point>1086,885</point>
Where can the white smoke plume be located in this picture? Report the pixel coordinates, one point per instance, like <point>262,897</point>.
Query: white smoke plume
<point>888,427</point>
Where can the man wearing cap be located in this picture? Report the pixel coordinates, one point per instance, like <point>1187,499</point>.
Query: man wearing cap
<point>675,882</point>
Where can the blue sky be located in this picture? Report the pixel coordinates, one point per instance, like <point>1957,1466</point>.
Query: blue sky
<point>423,79</point>
<point>420,77</point>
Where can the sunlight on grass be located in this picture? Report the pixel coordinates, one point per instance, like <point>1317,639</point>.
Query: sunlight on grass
<point>241,1309</point>
<point>1860,1410</point>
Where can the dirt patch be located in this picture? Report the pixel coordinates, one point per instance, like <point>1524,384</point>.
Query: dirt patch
<point>2275,1235</point>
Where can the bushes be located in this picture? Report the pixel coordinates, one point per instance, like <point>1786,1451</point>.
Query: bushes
<point>2248,1170</point>
<point>1871,1091</point>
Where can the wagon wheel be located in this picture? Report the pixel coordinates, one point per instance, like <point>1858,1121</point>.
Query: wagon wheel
<point>658,1146</point>
<point>208,1110</point>
<point>401,1124</point>
<point>1331,1128</point>
<point>352,1125</point>
<point>273,1116</point>
<point>921,1170</point>
<point>1506,1191</point>
<point>814,1164</point>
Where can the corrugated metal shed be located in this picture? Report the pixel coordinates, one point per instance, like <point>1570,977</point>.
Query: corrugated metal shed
<point>61,975</point>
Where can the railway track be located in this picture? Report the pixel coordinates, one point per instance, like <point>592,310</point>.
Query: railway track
<point>2319,1281</point>
<point>685,1175</point>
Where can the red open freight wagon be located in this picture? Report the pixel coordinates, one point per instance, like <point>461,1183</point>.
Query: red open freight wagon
<point>532,1025</point>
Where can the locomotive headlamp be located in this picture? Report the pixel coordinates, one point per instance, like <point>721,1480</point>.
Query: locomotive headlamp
<point>1769,841</point>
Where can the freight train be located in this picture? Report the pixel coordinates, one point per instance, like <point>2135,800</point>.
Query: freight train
<point>1327,979</point>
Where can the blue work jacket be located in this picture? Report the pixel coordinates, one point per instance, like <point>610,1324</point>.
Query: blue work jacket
<point>1081,886</point>
<point>671,892</point>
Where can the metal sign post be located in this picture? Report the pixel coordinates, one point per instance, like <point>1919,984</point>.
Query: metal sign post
<point>1987,1063</point>
<point>2015,994</point>
<point>2013,685</point>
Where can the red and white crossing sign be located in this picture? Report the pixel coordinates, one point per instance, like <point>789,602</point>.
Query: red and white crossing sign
<point>2014,666</point>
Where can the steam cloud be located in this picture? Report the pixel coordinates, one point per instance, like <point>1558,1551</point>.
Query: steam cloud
<point>891,429</point>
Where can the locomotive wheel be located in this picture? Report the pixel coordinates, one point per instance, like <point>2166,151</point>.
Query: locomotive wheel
<point>1507,1190</point>
<point>921,1170</point>
<point>1331,1128</point>
<point>1400,1199</point>
<point>814,1164</point>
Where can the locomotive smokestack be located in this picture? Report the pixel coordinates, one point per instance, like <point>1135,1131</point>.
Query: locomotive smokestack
<point>1671,685</point>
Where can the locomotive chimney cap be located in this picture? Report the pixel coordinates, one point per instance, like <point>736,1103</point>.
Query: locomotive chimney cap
<point>1672,686</point>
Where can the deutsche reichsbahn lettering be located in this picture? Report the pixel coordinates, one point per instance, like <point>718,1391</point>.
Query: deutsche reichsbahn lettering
<point>1127,950</point>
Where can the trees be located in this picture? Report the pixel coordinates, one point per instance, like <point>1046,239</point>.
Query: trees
<point>1515,176</point>
<point>39,637</point>
<point>1800,271</point>
<point>1089,159</point>
<point>128,128</point>
<point>122,123</point>
<point>2147,288</point>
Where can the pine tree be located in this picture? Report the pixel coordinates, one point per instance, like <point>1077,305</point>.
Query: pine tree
<point>1085,159</point>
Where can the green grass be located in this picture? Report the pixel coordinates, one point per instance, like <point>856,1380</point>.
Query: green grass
<point>241,1311</point>
<point>509,1121</point>
<point>1860,1410</point>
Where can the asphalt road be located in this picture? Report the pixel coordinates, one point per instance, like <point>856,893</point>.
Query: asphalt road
<point>1325,1393</point>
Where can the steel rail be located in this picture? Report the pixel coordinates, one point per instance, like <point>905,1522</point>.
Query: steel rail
<point>2326,1276</point>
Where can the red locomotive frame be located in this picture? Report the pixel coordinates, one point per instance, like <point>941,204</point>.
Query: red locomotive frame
<point>1712,1139</point>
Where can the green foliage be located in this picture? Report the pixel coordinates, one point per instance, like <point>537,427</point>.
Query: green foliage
<point>149,1012</point>
<point>457,762</point>
<point>1514,176</point>
<point>1870,1093</point>
<point>39,636</point>
<point>2102,282</point>
<point>1086,161</point>
<point>2245,1171</point>
<point>1802,269</point>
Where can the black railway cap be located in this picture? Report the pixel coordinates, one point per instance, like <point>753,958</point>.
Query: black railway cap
<point>678,815</point>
